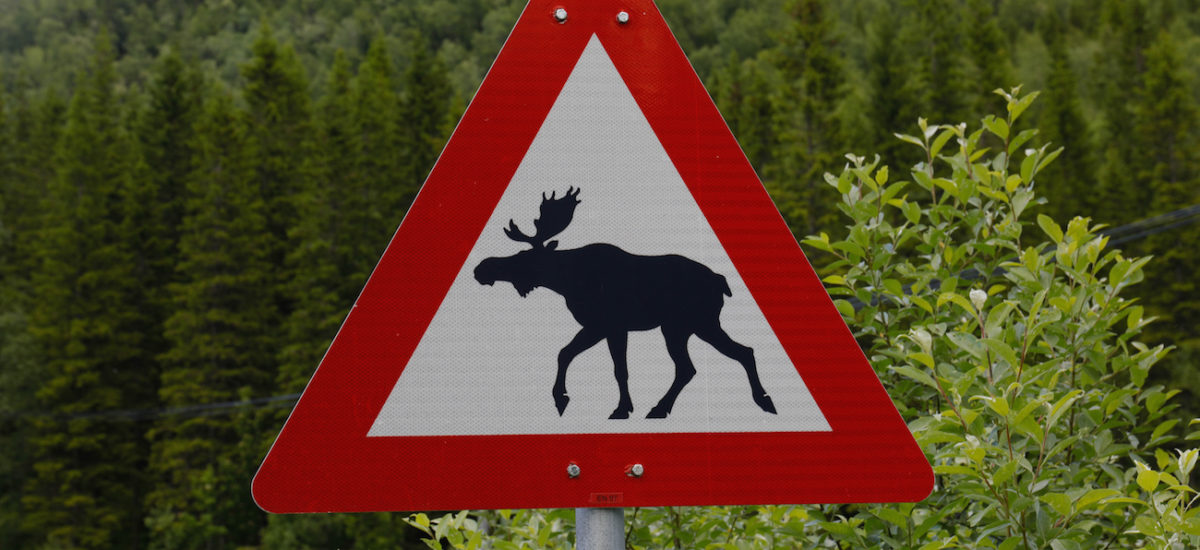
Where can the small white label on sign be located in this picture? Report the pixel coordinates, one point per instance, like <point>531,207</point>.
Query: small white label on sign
<point>488,361</point>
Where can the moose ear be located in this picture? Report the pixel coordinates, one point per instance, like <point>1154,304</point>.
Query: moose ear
<point>551,245</point>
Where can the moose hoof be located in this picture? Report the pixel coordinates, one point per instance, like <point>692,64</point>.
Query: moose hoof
<point>621,413</point>
<point>560,401</point>
<point>764,402</point>
<point>658,412</point>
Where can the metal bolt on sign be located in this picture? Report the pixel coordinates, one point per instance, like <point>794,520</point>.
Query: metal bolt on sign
<point>635,470</point>
<point>623,17</point>
<point>561,15</point>
<point>573,470</point>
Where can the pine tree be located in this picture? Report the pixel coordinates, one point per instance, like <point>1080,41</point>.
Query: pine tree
<point>938,39</point>
<point>1069,182</point>
<point>325,281</point>
<point>221,342</point>
<point>898,86</point>
<point>377,195</point>
<point>742,90</point>
<point>276,96</point>
<point>806,118</point>
<point>1121,63</point>
<point>425,116</point>
<point>1168,127</point>
<point>89,469</point>
<point>18,362</point>
<point>36,124</point>
<point>987,50</point>
<point>164,134</point>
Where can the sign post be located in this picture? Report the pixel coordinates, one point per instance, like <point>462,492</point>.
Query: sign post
<point>591,193</point>
<point>599,528</point>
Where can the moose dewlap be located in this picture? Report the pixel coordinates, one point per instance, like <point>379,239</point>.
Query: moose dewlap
<point>489,362</point>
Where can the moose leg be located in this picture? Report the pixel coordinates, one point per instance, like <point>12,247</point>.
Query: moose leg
<point>684,371</point>
<point>583,340</point>
<point>617,344</point>
<point>718,338</point>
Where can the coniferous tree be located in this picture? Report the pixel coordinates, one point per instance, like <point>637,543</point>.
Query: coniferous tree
<point>36,123</point>
<point>806,121</point>
<point>937,40</point>
<point>27,139</point>
<point>898,89</point>
<point>324,278</point>
<point>164,134</point>
<point>1121,63</point>
<point>279,132</point>
<point>1167,128</point>
<point>742,90</point>
<point>89,471</point>
<point>18,376</point>
<point>221,343</point>
<point>376,194</point>
<point>1070,179</point>
<point>425,117</point>
<point>987,50</point>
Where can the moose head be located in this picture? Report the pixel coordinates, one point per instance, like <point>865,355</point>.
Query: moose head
<point>525,269</point>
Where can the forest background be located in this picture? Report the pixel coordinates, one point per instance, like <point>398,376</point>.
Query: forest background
<point>192,194</point>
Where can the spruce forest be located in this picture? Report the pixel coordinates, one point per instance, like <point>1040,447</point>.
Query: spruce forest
<point>193,193</point>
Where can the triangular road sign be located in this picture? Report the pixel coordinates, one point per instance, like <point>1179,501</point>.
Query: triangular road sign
<point>442,390</point>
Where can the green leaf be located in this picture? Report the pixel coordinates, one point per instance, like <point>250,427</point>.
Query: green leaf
<point>1094,496</point>
<point>1016,109</point>
<point>996,126</point>
<point>915,374</point>
<point>923,358</point>
<point>1003,350</point>
<point>1051,229</point>
<point>1027,166</point>
<point>891,516</point>
<point>1163,428</point>
<point>845,308</point>
<point>1005,472</point>
<point>1147,479</point>
<point>950,469</point>
<point>1147,525</point>
<point>1060,502</point>
<point>956,298</point>
<point>968,343</point>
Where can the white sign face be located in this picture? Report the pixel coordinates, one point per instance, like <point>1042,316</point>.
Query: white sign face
<point>488,361</point>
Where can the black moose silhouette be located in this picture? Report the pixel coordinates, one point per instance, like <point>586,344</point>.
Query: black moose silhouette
<point>611,292</point>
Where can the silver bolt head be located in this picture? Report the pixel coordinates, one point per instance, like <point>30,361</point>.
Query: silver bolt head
<point>623,17</point>
<point>561,15</point>
<point>573,470</point>
<point>637,470</point>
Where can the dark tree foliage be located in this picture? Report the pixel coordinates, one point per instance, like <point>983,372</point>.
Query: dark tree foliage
<point>279,132</point>
<point>1122,61</point>
<point>325,251</point>
<point>89,470</point>
<point>742,90</point>
<point>806,123</point>
<point>425,116</point>
<point>1167,118</point>
<point>1070,181</point>
<point>221,336</point>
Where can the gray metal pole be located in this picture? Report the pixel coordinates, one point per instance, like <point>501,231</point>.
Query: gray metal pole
<point>599,529</point>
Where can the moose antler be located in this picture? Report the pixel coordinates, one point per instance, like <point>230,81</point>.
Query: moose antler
<point>554,216</point>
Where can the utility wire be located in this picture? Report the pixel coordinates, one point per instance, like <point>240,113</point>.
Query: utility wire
<point>1132,231</point>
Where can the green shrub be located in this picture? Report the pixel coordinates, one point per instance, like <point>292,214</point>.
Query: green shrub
<point>1008,346</point>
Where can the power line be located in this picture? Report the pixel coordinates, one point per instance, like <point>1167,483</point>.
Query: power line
<point>1132,231</point>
